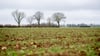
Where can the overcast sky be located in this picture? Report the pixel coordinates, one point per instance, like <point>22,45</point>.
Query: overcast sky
<point>76,11</point>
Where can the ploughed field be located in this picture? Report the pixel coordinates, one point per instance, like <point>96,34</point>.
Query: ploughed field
<point>49,41</point>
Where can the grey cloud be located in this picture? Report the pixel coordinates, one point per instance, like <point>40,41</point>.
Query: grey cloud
<point>46,5</point>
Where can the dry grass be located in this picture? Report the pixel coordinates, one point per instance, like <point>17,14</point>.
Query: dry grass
<point>50,42</point>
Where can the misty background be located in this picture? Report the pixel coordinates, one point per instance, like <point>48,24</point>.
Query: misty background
<point>76,11</point>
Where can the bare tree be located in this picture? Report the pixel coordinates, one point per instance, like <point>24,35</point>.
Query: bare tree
<point>18,16</point>
<point>58,17</point>
<point>38,16</point>
<point>30,20</point>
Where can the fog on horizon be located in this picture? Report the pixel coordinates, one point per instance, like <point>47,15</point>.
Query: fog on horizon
<point>76,11</point>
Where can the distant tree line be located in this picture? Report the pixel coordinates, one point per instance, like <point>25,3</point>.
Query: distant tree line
<point>51,25</point>
<point>28,25</point>
<point>82,25</point>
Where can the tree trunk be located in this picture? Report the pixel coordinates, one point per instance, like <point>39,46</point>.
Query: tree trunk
<point>19,24</point>
<point>39,23</point>
<point>58,24</point>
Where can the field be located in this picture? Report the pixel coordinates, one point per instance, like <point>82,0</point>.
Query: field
<point>49,41</point>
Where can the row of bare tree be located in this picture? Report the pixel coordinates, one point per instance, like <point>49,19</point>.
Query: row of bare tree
<point>18,16</point>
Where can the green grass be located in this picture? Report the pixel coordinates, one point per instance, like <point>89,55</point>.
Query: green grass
<point>50,41</point>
